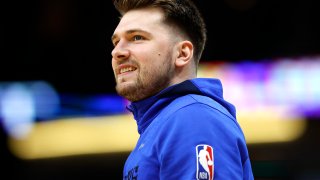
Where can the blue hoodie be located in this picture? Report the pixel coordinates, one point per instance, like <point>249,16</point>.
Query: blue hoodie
<point>188,131</point>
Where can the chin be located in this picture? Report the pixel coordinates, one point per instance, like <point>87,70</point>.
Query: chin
<point>125,86</point>
<point>125,90</point>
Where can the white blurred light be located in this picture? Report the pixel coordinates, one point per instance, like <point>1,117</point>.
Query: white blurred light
<point>277,83</point>
<point>313,84</point>
<point>17,110</point>
<point>296,83</point>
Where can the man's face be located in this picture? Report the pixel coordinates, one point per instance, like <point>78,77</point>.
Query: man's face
<point>143,54</point>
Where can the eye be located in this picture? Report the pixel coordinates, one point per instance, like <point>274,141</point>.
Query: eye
<point>137,38</point>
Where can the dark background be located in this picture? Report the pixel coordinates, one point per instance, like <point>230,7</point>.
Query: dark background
<point>67,43</point>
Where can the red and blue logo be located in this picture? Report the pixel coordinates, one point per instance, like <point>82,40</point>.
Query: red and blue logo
<point>205,164</point>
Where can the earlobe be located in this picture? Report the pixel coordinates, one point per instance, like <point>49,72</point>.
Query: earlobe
<point>185,53</point>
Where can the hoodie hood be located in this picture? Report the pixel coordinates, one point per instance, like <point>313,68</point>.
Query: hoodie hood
<point>145,110</point>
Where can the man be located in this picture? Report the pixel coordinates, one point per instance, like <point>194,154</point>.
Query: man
<point>187,130</point>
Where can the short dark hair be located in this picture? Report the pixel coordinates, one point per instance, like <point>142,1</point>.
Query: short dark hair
<point>182,13</point>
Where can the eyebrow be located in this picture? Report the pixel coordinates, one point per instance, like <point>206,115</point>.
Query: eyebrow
<point>114,36</point>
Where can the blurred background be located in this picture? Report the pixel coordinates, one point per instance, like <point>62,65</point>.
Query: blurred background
<point>61,117</point>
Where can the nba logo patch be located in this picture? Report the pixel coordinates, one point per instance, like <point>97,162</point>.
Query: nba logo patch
<point>205,164</point>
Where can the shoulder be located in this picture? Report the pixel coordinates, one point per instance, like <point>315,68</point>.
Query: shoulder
<point>200,108</point>
<point>201,115</point>
<point>198,114</point>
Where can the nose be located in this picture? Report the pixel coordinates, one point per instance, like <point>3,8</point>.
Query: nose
<point>120,52</point>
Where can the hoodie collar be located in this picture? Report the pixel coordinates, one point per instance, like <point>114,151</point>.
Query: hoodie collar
<point>145,110</point>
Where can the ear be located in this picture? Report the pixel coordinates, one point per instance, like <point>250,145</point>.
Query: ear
<point>185,53</point>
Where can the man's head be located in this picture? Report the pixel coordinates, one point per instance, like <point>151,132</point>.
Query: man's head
<point>157,43</point>
<point>180,13</point>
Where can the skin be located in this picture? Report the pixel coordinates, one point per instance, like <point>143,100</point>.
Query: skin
<point>149,55</point>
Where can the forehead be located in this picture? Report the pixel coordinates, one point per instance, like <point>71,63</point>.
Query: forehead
<point>148,19</point>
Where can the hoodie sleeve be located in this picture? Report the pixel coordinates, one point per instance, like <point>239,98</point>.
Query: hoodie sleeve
<point>200,142</point>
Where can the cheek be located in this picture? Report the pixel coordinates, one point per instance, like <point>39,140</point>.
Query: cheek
<point>113,68</point>
<point>113,64</point>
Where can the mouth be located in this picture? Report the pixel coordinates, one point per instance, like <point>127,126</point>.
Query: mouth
<point>125,69</point>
